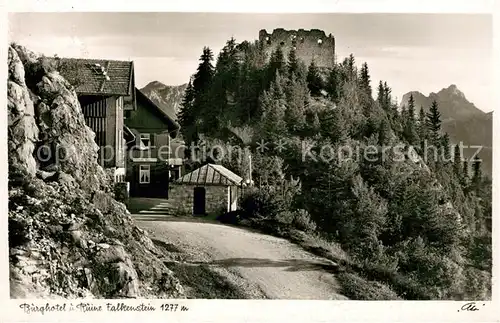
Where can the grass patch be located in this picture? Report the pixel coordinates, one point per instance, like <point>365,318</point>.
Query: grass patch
<point>357,287</point>
<point>200,281</point>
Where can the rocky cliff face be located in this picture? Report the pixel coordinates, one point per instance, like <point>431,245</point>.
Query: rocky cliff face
<point>461,120</point>
<point>168,98</point>
<point>68,237</point>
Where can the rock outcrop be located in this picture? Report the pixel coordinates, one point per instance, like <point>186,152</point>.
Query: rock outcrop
<point>68,237</point>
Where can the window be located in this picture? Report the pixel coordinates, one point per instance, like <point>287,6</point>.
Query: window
<point>145,140</point>
<point>144,174</point>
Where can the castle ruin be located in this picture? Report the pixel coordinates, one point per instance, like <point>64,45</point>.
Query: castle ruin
<point>309,44</point>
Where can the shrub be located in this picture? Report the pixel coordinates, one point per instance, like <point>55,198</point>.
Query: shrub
<point>358,288</point>
<point>265,202</point>
<point>121,192</point>
<point>302,221</point>
<point>286,217</point>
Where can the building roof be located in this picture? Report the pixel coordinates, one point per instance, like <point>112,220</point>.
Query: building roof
<point>99,76</point>
<point>173,126</point>
<point>211,174</point>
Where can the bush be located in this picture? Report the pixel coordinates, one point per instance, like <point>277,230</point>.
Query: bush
<point>302,221</point>
<point>121,192</point>
<point>358,288</point>
<point>286,217</point>
<point>265,202</point>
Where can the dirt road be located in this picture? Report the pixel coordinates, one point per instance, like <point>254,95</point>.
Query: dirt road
<point>263,266</point>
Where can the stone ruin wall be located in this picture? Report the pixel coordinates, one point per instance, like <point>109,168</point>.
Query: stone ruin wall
<point>309,44</point>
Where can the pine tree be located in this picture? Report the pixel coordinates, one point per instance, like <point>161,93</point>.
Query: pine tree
<point>351,67</point>
<point>333,86</point>
<point>477,173</point>
<point>384,97</point>
<point>434,123</point>
<point>387,97</point>
<point>293,63</point>
<point>273,104</point>
<point>466,172</point>
<point>446,149</point>
<point>365,95</point>
<point>314,81</point>
<point>364,77</point>
<point>252,82</point>
<point>380,95</point>
<point>422,128</point>
<point>205,72</point>
<point>276,64</point>
<point>333,126</point>
<point>223,89</point>
<point>202,81</point>
<point>187,116</point>
<point>457,161</point>
<point>297,95</point>
<point>409,122</point>
<point>384,132</point>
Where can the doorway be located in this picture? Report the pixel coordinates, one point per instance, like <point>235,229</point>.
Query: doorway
<point>199,197</point>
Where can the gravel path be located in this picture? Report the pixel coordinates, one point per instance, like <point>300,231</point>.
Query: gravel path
<point>262,265</point>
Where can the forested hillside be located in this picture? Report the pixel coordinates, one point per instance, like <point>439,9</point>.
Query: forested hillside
<point>420,223</point>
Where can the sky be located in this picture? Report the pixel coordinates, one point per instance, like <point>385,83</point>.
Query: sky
<point>412,52</point>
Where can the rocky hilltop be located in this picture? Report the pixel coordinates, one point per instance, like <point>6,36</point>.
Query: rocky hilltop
<point>68,236</point>
<point>461,119</point>
<point>168,98</point>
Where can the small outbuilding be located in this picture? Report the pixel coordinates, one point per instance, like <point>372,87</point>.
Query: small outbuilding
<point>210,188</point>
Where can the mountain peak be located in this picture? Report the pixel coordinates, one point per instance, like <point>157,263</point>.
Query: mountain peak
<point>452,90</point>
<point>167,97</point>
<point>155,84</point>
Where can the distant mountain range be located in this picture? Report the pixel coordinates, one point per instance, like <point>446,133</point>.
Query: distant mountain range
<point>461,120</point>
<point>168,97</point>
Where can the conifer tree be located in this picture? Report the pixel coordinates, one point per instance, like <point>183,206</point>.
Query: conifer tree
<point>274,108</point>
<point>384,132</point>
<point>409,122</point>
<point>202,81</point>
<point>297,95</point>
<point>477,173</point>
<point>314,81</point>
<point>446,151</point>
<point>276,64</point>
<point>293,63</point>
<point>364,77</point>
<point>186,115</point>
<point>387,97</point>
<point>457,161</point>
<point>333,86</point>
<point>434,123</point>
<point>204,73</point>
<point>465,173</point>
<point>351,67</point>
<point>380,95</point>
<point>223,89</point>
<point>422,127</point>
<point>384,97</point>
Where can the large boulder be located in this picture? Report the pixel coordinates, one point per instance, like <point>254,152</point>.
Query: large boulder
<point>68,236</point>
<point>23,131</point>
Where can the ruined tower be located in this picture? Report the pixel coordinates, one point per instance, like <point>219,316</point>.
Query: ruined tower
<point>309,44</point>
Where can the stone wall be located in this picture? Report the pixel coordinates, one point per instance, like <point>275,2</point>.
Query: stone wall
<point>309,44</point>
<point>181,197</point>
